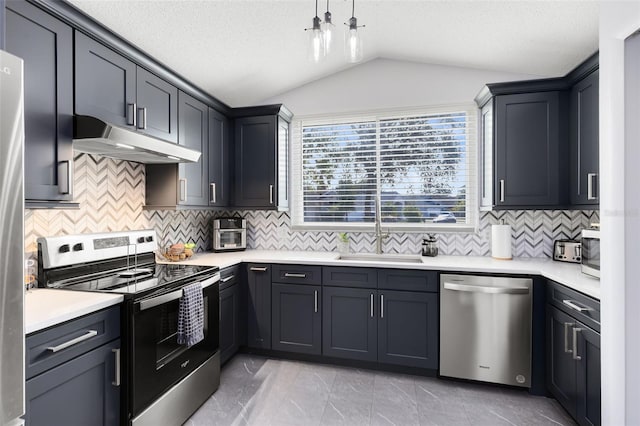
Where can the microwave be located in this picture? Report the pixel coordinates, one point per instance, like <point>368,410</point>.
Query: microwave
<point>591,251</point>
<point>229,234</point>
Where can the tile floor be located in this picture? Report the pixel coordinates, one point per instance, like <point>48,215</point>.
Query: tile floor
<point>262,391</point>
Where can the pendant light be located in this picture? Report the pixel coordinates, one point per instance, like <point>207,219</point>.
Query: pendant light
<point>316,39</point>
<point>328,31</point>
<point>353,38</point>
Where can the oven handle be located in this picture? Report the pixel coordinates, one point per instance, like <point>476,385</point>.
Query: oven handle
<point>174,295</point>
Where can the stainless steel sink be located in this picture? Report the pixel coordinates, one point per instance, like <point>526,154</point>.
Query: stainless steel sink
<point>399,258</point>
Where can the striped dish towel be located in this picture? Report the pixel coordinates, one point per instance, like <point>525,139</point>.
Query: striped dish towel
<point>191,315</point>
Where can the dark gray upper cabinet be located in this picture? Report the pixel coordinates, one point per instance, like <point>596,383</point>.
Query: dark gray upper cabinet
<point>105,82</point>
<point>45,44</point>
<point>528,150</point>
<point>110,87</point>
<point>296,324</point>
<point>408,329</point>
<point>157,106</point>
<point>584,154</point>
<point>349,323</point>
<point>220,159</point>
<point>259,306</point>
<point>261,161</point>
<point>193,182</point>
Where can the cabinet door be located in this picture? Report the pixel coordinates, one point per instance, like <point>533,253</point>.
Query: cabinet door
<point>527,150</point>
<point>229,322</point>
<point>561,367</point>
<point>157,106</point>
<point>105,83</point>
<point>193,182</point>
<point>256,157</point>
<point>220,159</point>
<point>296,322</point>
<point>349,323</point>
<point>398,343</point>
<point>589,398</point>
<point>259,306</point>
<point>585,141</point>
<point>78,392</point>
<point>45,44</point>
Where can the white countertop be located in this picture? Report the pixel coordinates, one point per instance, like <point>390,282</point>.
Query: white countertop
<point>46,307</point>
<point>567,274</point>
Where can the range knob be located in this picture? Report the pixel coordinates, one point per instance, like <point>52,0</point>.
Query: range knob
<point>140,240</point>
<point>64,248</point>
<point>78,247</point>
<point>149,238</point>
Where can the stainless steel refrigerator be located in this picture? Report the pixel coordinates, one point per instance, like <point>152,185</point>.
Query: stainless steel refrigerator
<point>11,239</point>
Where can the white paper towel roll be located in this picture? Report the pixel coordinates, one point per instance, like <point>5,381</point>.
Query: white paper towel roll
<point>501,242</point>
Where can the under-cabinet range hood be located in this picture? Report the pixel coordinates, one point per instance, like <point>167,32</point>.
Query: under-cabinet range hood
<point>93,136</point>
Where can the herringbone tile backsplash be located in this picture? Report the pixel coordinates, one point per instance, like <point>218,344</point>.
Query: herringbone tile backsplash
<point>111,198</point>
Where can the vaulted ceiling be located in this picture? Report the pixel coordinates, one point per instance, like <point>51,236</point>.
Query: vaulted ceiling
<point>245,51</point>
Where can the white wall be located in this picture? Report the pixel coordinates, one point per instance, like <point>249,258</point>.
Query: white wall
<point>383,83</point>
<point>620,223</point>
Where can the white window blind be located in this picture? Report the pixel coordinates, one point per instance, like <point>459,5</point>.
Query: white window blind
<point>421,164</point>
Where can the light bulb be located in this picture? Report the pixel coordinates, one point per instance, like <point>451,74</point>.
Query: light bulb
<point>353,45</point>
<point>327,32</point>
<point>316,41</point>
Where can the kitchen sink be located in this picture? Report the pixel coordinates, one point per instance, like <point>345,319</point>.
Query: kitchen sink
<point>399,258</point>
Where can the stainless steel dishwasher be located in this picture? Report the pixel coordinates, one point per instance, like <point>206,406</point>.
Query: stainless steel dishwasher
<point>485,328</point>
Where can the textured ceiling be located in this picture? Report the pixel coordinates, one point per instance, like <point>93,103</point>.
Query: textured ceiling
<point>244,51</point>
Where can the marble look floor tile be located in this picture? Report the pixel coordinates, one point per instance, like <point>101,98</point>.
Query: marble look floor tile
<point>393,414</point>
<point>346,411</point>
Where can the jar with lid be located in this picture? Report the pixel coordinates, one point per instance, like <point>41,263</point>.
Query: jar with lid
<point>430,246</point>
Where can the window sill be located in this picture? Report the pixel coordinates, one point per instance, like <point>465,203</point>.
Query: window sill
<point>395,228</point>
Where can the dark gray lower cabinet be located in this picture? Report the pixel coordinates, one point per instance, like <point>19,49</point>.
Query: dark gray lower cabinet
<point>408,329</point>
<point>349,323</point>
<point>229,322</point>
<point>296,324</point>
<point>259,306</point>
<point>573,366</point>
<point>78,392</point>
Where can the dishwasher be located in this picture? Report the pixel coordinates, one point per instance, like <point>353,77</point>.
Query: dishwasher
<point>485,328</point>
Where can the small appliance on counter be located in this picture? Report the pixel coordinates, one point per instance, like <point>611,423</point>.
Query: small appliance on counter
<point>430,246</point>
<point>567,251</point>
<point>229,234</point>
<point>591,250</point>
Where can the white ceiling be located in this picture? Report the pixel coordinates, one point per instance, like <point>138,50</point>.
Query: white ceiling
<point>245,51</point>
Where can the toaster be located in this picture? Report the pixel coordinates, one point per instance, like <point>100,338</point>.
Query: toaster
<point>567,251</point>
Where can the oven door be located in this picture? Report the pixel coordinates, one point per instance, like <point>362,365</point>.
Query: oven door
<point>158,361</point>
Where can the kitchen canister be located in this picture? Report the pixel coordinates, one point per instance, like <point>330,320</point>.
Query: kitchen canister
<point>501,241</point>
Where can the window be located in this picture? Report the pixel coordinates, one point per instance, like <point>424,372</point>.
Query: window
<point>420,164</point>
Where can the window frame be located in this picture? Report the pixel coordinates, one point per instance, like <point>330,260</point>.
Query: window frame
<point>472,166</point>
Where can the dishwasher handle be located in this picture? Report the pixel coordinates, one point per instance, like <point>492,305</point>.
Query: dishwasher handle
<point>485,289</point>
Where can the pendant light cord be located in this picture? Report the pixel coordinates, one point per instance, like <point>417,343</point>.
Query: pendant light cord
<point>316,8</point>
<point>353,8</point>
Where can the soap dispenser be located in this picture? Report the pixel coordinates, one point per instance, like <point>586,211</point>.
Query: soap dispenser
<point>430,246</point>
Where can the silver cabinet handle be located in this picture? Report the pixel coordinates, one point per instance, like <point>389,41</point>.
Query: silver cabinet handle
<point>485,289</point>
<point>572,305</point>
<point>372,305</point>
<point>213,192</point>
<point>567,325</point>
<point>65,177</point>
<point>292,275</point>
<point>575,344</point>
<point>270,194</point>
<point>315,301</point>
<point>258,269</point>
<point>88,335</point>
<point>502,190</point>
<point>131,114</point>
<point>227,279</point>
<point>590,186</point>
<point>142,118</point>
<point>174,295</point>
<point>182,190</point>
<point>382,306</point>
<point>116,380</point>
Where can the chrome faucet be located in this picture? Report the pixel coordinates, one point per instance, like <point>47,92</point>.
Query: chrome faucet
<point>379,235</point>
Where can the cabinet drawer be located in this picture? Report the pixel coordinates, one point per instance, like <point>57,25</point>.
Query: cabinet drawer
<point>297,274</point>
<point>88,332</point>
<point>229,276</point>
<point>581,307</point>
<point>400,279</point>
<point>340,276</point>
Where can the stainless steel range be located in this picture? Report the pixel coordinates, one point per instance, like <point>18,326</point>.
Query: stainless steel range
<point>163,382</point>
